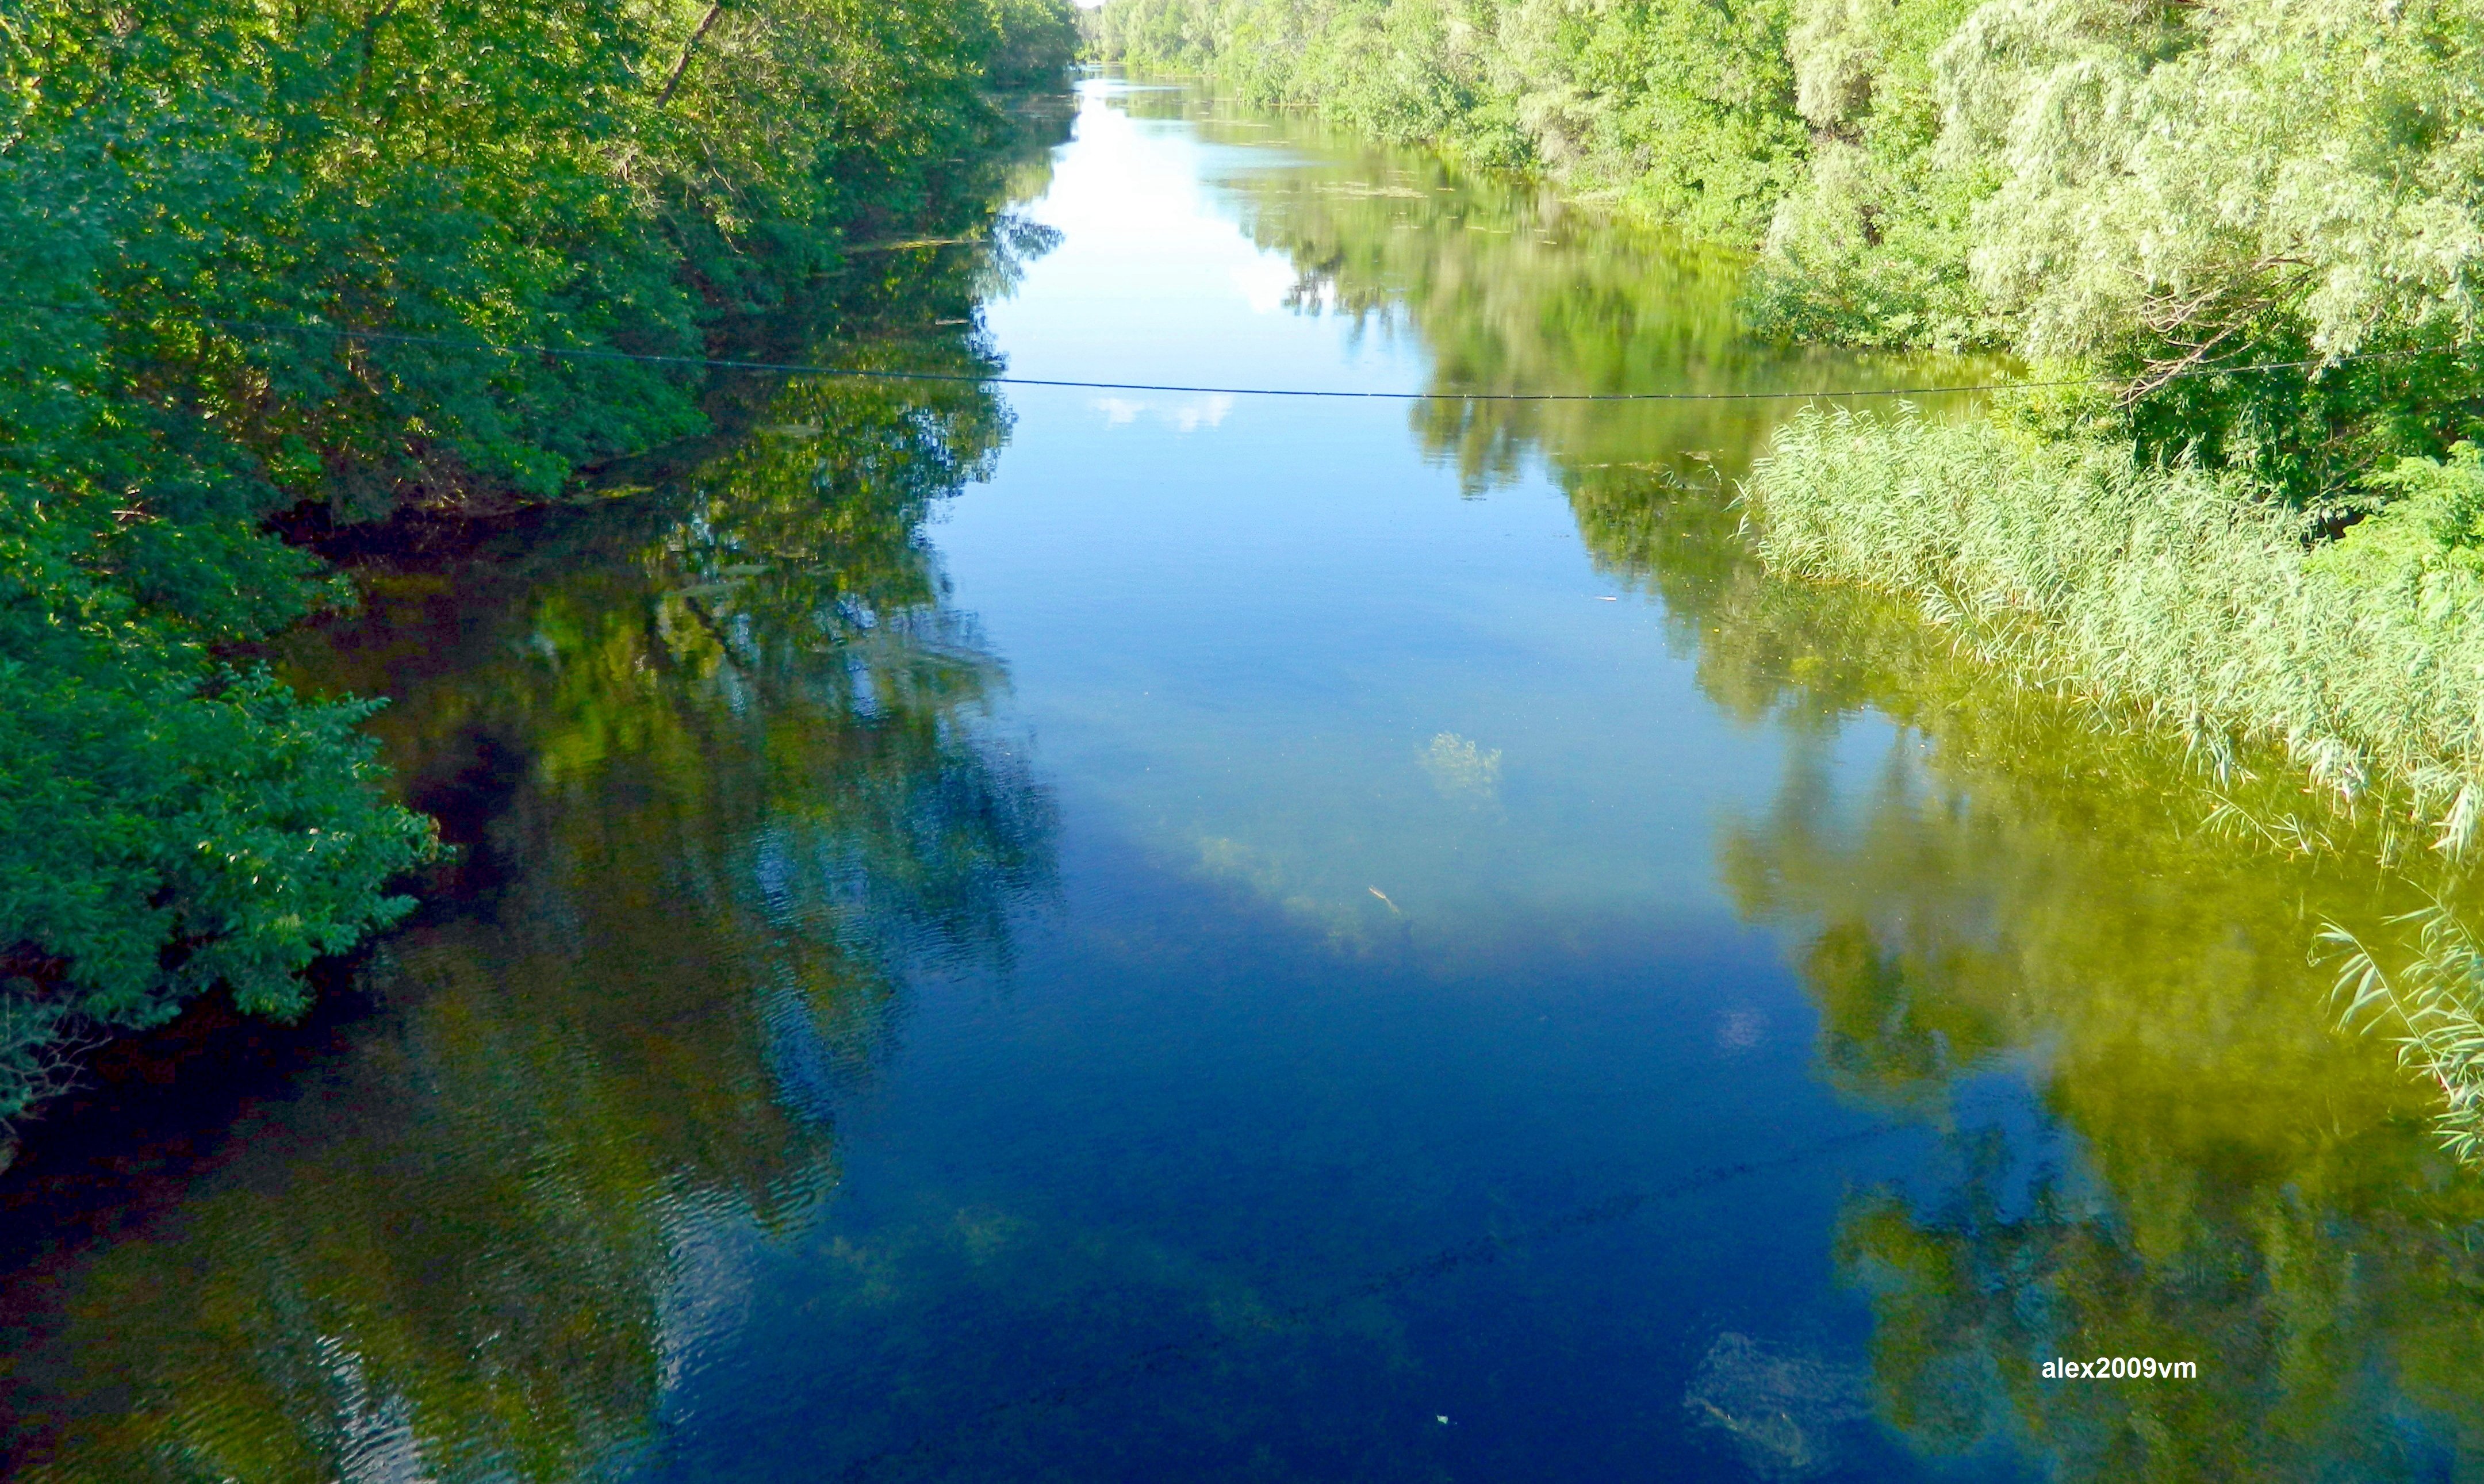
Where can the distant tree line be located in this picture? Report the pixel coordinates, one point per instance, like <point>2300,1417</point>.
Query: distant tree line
<point>2135,187</point>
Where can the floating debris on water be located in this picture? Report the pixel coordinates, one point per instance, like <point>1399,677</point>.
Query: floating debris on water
<point>1783,1412</point>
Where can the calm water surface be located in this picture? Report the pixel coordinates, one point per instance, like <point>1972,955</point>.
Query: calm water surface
<point>1151,936</point>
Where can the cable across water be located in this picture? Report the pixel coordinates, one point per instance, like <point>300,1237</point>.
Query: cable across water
<point>997,379</point>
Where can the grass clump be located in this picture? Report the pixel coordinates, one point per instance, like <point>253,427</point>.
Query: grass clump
<point>2168,594</point>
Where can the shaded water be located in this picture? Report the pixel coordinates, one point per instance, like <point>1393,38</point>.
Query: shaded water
<point>1188,936</point>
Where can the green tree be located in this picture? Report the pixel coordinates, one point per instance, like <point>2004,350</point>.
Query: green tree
<point>741,784</point>
<point>259,256</point>
<point>1685,109</point>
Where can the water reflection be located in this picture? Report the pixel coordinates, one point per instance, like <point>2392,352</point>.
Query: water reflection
<point>1463,1029</point>
<point>2214,1170</point>
<point>1508,289</point>
<point>2222,1176</point>
<point>734,772</point>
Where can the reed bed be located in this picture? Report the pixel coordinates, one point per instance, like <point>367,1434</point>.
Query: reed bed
<point>2169,596</point>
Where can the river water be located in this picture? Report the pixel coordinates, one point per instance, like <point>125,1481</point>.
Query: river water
<point>1166,935</point>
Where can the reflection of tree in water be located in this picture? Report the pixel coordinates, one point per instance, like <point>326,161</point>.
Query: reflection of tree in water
<point>1510,290</point>
<point>2248,1187</point>
<point>2251,1188</point>
<point>724,768</point>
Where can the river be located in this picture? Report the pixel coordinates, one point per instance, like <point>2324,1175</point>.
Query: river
<point>1051,933</point>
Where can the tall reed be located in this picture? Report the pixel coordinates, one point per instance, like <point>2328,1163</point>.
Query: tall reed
<point>2429,1007</point>
<point>2169,596</point>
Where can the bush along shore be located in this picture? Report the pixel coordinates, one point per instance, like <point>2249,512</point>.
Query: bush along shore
<point>2248,232</point>
<point>259,254</point>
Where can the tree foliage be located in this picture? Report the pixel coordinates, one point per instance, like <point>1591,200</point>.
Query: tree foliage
<point>759,791</point>
<point>2138,189</point>
<point>256,256</point>
<point>2154,190</point>
<point>1683,108</point>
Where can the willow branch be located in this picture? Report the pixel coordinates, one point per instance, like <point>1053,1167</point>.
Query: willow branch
<point>689,49</point>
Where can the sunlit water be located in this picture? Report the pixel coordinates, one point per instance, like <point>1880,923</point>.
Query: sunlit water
<point>1273,939</point>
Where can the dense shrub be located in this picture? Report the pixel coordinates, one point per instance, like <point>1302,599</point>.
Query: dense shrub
<point>2149,190</point>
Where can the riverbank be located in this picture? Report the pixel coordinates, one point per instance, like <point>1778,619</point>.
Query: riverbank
<point>1518,291</point>
<point>2062,188</point>
<point>923,968</point>
<point>315,274</point>
<point>2171,597</point>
